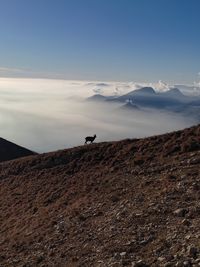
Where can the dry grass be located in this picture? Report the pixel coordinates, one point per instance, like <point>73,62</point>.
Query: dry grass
<point>84,206</point>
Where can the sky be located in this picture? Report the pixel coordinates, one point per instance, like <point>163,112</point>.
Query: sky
<point>107,40</point>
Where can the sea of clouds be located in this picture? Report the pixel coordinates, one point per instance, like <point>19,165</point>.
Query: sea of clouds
<point>50,114</point>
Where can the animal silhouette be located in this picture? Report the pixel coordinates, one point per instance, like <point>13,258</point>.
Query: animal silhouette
<point>90,139</point>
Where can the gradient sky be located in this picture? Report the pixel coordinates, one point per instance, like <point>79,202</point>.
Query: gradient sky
<point>127,40</point>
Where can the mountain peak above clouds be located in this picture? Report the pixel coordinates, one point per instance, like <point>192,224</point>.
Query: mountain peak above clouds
<point>96,97</point>
<point>143,91</point>
<point>173,92</point>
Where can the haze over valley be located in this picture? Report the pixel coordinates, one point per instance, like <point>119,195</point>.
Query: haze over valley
<point>48,114</point>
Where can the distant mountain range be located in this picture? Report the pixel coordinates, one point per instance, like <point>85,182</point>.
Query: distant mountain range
<point>172,100</point>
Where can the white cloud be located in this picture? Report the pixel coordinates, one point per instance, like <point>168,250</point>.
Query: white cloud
<point>162,86</point>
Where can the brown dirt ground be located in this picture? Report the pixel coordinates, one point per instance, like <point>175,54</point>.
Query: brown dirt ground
<point>106,204</point>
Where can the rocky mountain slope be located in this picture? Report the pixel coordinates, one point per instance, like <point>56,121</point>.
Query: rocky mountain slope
<point>128,203</point>
<point>9,150</point>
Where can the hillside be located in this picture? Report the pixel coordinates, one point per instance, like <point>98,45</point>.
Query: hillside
<point>9,151</point>
<point>128,203</point>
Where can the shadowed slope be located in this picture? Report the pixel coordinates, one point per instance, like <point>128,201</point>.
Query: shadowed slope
<point>106,204</point>
<point>9,150</point>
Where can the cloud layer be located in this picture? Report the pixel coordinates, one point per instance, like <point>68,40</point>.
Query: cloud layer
<point>45,114</point>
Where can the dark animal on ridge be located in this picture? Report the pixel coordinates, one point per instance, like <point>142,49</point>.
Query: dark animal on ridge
<point>90,139</point>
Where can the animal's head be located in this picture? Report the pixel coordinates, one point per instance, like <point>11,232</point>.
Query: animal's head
<point>95,136</point>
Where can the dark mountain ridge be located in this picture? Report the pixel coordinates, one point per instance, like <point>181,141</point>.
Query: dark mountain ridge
<point>9,151</point>
<point>142,91</point>
<point>173,92</point>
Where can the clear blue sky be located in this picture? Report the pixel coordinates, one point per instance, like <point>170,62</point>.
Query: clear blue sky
<point>127,40</point>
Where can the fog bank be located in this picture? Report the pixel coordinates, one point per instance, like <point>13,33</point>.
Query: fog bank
<point>45,115</point>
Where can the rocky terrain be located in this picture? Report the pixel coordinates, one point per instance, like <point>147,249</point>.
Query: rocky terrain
<point>128,203</point>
